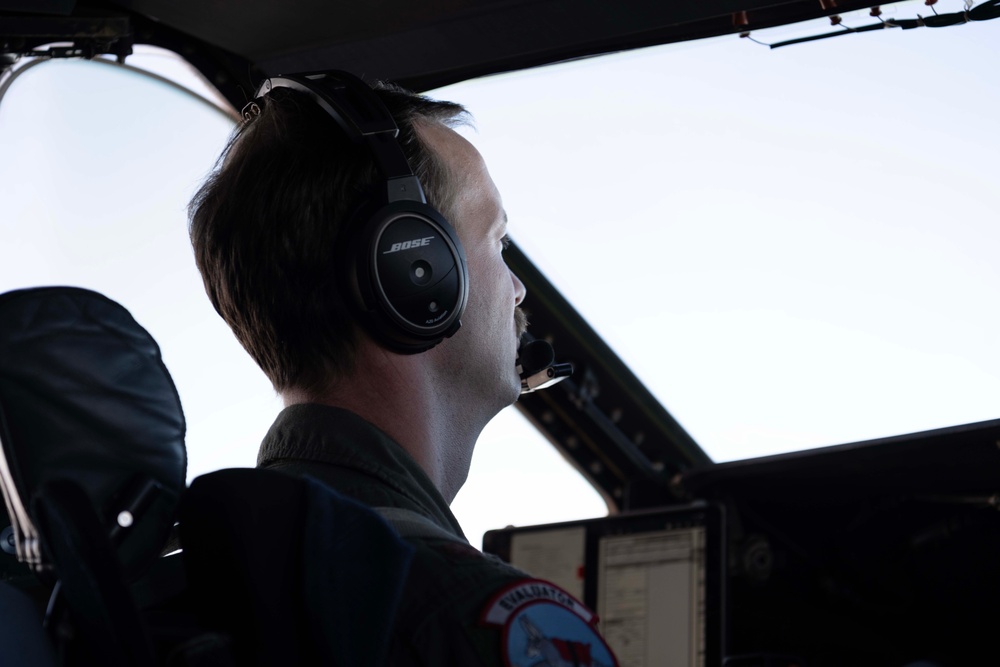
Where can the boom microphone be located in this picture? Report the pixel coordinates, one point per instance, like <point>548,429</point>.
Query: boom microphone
<point>536,364</point>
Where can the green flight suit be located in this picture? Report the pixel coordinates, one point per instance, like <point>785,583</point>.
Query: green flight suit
<point>450,582</point>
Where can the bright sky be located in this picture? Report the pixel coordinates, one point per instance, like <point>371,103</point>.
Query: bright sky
<point>791,247</point>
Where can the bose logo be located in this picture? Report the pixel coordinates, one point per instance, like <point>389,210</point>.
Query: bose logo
<point>406,245</point>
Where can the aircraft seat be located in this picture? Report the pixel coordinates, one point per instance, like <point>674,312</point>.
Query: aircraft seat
<point>93,464</point>
<point>274,569</point>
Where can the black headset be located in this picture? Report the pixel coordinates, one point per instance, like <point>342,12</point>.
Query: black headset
<point>403,267</point>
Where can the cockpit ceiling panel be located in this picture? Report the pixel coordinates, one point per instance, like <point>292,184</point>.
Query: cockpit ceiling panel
<point>427,45</point>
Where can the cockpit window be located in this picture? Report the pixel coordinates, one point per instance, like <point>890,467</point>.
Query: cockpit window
<point>99,163</point>
<point>791,247</point>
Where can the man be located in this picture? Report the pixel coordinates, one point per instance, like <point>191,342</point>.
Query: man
<point>392,424</point>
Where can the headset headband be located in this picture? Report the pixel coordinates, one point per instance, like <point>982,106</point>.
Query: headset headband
<point>364,118</point>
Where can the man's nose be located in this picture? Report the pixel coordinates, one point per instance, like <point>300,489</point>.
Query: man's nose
<point>519,289</point>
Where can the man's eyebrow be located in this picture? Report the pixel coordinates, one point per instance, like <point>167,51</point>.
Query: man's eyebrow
<point>502,224</point>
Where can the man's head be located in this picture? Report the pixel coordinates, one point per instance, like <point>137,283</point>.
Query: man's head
<point>269,227</point>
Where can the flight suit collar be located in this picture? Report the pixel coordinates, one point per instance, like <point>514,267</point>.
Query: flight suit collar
<point>346,452</point>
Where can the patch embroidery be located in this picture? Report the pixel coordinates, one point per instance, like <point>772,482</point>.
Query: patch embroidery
<point>544,626</point>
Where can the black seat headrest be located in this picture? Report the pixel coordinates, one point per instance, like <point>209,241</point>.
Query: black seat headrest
<point>85,397</point>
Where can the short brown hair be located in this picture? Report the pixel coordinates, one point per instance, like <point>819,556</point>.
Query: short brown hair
<point>266,226</point>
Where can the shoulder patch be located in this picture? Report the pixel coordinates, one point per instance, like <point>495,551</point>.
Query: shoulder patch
<point>544,626</point>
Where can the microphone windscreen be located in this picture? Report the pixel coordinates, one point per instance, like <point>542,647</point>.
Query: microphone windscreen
<point>534,356</point>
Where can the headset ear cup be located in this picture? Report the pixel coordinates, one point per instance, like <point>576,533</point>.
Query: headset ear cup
<point>408,276</point>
